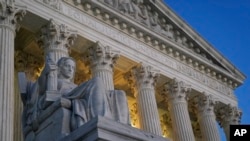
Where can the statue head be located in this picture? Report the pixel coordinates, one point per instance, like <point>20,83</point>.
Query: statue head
<point>66,68</point>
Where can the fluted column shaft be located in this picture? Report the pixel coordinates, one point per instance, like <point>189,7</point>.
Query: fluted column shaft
<point>106,74</point>
<point>178,107</point>
<point>6,83</point>
<point>9,13</point>
<point>101,60</point>
<point>148,112</point>
<point>207,119</point>
<point>145,78</point>
<point>56,40</point>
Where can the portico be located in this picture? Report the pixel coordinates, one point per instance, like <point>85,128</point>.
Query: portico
<point>183,80</point>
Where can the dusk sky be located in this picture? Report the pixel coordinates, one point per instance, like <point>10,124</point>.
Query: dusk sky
<point>226,25</point>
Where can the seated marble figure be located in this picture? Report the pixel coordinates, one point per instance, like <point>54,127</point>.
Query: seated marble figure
<point>88,100</point>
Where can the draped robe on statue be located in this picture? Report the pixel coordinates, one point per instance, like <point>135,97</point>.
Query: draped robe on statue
<point>88,100</point>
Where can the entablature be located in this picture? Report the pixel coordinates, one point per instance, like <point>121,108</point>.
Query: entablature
<point>156,24</point>
<point>135,45</point>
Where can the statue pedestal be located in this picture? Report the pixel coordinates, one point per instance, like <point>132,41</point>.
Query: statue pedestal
<point>53,124</point>
<point>101,128</point>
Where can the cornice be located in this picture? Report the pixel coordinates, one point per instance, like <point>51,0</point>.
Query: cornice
<point>116,25</point>
<point>187,54</point>
<point>167,11</point>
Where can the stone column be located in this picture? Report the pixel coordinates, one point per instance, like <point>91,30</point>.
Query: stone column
<point>145,79</point>
<point>56,40</point>
<point>206,118</point>
<point>102,59</point>
<point>176,92</point>
<point>229,115</point>
<point>9,15</point>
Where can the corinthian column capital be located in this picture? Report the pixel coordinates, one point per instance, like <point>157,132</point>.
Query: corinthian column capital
<point>145,76</point>
<point>56,37</point>
<point>230,115</point>
<point>176,89</point>
<point>206,117</point>
<point>10,14</point>
<point>102,56</point>
<point>205,104</point>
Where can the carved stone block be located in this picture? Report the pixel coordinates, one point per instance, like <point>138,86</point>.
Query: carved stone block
<point>101,128</point>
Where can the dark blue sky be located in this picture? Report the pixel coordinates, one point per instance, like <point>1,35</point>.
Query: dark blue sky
<point>226,25</point>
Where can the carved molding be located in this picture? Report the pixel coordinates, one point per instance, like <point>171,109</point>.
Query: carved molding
<point>208,77</point>
<point>162,25</point>
<point>81,18</point>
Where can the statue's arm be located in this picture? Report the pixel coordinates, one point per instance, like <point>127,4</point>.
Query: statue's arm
<point>47,79</point>
<point>42,81</point>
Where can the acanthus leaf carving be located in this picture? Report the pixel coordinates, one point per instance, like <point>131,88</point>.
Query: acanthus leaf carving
<point>141,76</point>
<point>10,14</point>
<point>205,103</point>
<point>229,115</point>
<point>145,76</point>
<point>99,55</point>
<point>176,89</point>
<point>56,37</point>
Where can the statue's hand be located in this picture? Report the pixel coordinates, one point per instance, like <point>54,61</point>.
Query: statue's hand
<point>50,65</point>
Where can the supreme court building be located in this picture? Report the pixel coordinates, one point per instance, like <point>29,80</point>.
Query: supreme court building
<point>177,85</point>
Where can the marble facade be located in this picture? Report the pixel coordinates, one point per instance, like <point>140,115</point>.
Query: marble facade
<point>176,83</point>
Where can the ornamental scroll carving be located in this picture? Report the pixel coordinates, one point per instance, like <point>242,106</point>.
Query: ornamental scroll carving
<point>10,14</point>
<point>176,90</point>
<point>99,55</point>
<point>205,104</point>
<point>229,115</point>
<point>142,76</point>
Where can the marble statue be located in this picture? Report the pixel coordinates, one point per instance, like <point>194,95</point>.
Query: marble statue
<point>88,100</point>
<point>154,21</point>
<point>126,7</point>
<point>168,30</point>
<point>140,11</point>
